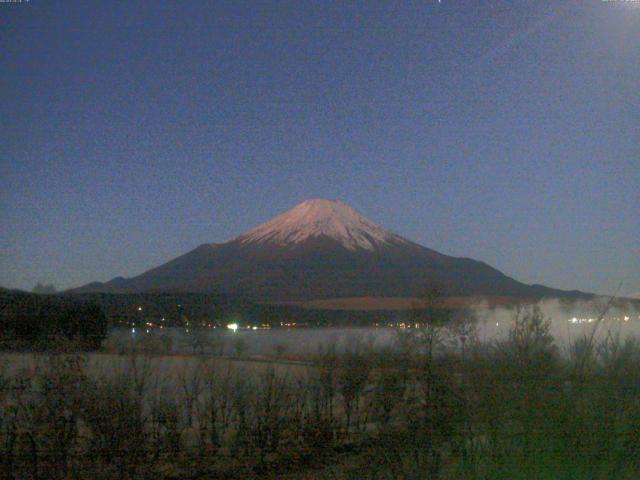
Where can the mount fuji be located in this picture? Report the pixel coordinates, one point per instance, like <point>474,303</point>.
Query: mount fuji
<point>322,249</point>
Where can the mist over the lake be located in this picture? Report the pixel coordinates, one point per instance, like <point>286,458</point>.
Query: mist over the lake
<point>489,325</point>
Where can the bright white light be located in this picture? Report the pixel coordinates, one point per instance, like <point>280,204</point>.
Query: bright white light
<point>233,326</point>
<point>255,328</point>
<point>139,309</point>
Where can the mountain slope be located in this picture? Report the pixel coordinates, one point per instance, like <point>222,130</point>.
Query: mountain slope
<point>321,249</point>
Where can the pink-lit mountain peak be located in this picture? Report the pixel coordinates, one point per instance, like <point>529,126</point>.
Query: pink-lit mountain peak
<point>319,218</point>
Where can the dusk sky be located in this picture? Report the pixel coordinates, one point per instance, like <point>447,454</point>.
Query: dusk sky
<point>505,131</point>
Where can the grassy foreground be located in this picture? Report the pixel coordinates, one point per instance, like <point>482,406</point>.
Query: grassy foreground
<point>438,404</point>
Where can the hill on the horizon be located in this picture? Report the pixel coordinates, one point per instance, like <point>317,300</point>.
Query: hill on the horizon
<point>322,249</point>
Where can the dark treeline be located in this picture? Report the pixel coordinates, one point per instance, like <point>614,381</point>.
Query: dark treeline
<point>177,308</point>
<point>438,404</point>
<point>34,321</point>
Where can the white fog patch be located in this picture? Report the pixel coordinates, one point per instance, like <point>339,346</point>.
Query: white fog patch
<point>567,322</point>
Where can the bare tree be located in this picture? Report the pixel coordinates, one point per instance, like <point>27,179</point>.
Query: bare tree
<point>114,414</point>
<point>240,346</point>
<point>192,384</point>
<point>530,339</point>
<point>430,317</point>
<point>217,340</point>
<point>270,406</point>
<point>462,330</point>
<point>353,374</point>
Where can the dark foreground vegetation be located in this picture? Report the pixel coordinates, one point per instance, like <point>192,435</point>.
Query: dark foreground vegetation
<point>439,404</point>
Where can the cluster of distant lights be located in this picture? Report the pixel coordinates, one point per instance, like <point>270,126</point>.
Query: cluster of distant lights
<point>234,327</point>
<point>576,320</point>
<point>404,325</point>
<point>231,326</point>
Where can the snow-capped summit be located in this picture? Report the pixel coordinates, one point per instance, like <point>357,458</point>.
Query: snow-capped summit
<point>321,218</point>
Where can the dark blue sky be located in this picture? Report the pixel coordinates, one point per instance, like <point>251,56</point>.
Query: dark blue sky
<point>505,131</point>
